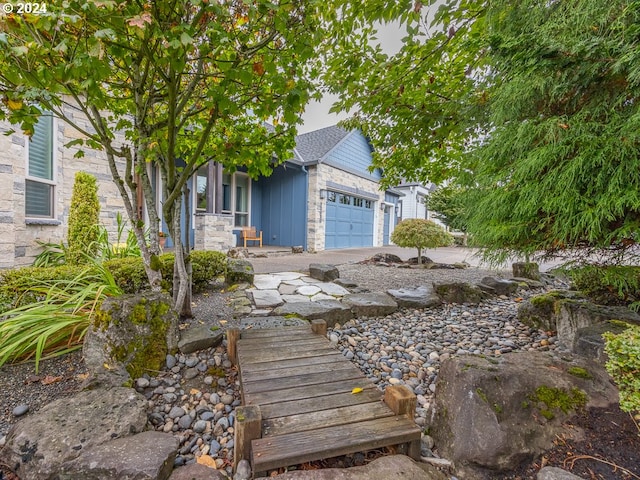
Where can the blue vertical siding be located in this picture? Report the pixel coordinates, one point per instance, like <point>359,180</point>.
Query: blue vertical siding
<point>353,154</point>
<point>279,206</point>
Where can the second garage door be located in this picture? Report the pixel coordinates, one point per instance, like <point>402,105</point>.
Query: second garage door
<point>349,221</point>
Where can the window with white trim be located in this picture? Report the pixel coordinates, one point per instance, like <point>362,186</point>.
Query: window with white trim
<point>236,197</point>
<point>40,178</point>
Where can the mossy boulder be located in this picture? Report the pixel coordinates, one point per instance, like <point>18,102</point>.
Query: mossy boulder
<point>526,270</point>
<point>578,322</point>
<point>459,292</point>
<point>239,271</point>
<point>499,413</point>
<point>130,335</point>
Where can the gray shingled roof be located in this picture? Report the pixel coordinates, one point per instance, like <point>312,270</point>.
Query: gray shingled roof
<point>313,146</point>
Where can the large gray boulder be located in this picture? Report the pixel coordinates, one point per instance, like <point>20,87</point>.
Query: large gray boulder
<point>579,322</point>
<point>459,292</point>
<point>239,271</point>
<point>526,270</point>
<point>323,272</point>
<point>331,311</point>
<point>394,467</point>
<point>200,338</point>
<point>370,304</point>
<point>417,297</point>
<point>38,445</point>
<point>498,413</point>
<point>498,286</point>
<point>129,334</point>
<point>144,456</point>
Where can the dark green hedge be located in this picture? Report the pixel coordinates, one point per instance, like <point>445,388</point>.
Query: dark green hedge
<point>16,283</point>
<point>129,274</point>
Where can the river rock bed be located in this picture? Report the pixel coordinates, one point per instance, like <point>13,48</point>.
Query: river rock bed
<point>408,346</point>
<point>194,398</point>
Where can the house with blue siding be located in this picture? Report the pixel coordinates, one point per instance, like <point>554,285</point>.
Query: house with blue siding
<point>325,197</point>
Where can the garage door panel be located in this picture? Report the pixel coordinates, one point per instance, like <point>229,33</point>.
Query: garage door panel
<point>349,221</point>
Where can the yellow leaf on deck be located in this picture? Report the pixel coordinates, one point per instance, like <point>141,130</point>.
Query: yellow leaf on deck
<point>356,390</point>
<point>207,461</point>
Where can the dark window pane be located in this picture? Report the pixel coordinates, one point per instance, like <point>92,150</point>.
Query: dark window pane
<point>38,199</point>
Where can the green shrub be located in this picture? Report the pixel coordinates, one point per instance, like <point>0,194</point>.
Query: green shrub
<point>207,266</point>
<point>608,285</point>
<point>419,233</point>
<point>17,286</point>
<point>84,215</point>
<point>128,273</point>
<point>623,365</point>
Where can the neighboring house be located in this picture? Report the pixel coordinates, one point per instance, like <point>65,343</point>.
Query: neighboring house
<point>324,197</point>
<point>415,202</point>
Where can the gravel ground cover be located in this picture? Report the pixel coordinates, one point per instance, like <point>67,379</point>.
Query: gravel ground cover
<point>195,396</point>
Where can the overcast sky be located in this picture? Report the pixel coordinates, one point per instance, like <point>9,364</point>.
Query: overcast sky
<point>317,114</point>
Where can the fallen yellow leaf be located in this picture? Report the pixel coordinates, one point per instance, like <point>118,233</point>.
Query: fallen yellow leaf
<point>14,104</point>
<point>207,461</point>
<point>356,390</point>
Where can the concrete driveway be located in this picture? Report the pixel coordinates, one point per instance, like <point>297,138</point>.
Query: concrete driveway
<point>282,262</point>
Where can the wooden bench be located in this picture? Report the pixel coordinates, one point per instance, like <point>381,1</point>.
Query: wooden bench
<point>249,234</point>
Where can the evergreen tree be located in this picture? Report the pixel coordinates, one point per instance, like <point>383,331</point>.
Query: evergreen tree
<point>84,216</point>
<point>559,172</point>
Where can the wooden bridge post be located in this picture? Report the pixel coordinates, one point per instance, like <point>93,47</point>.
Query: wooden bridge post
<point>319,327</point>
<point>248,426</point>
<point>233,335</point>
<point>402,401</point>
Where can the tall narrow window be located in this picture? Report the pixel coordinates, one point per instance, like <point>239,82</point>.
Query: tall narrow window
<point>236,195</point>
<point>201,189</point>
<point>242,201</point>
<point>39,183</point>
<point>226,193</point>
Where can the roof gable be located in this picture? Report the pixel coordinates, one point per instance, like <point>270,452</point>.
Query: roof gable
<point>313,147</point>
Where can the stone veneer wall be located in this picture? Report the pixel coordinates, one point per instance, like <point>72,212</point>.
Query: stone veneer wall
<point>18,234</point>
<point>318,176</point>
<point>213,232</point>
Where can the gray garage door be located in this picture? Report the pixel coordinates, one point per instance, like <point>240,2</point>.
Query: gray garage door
<point>349,221</point>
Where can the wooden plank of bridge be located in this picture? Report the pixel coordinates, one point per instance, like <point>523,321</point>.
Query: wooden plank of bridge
<point>302,387</point>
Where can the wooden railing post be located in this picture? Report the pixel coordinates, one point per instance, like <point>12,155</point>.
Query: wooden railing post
<point>233,335</point>
<point>402,401</point>
<point>319,327</point>
<point>248,426</point>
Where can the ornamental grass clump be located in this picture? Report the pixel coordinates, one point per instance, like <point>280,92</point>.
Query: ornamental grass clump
<point>419,233</point>
<point>57,323</point>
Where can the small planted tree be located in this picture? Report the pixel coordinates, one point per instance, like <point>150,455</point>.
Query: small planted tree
<point>84,216</point>
<point>419,233</point>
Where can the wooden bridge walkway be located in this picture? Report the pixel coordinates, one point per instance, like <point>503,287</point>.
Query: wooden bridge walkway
<point>298,404</point>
